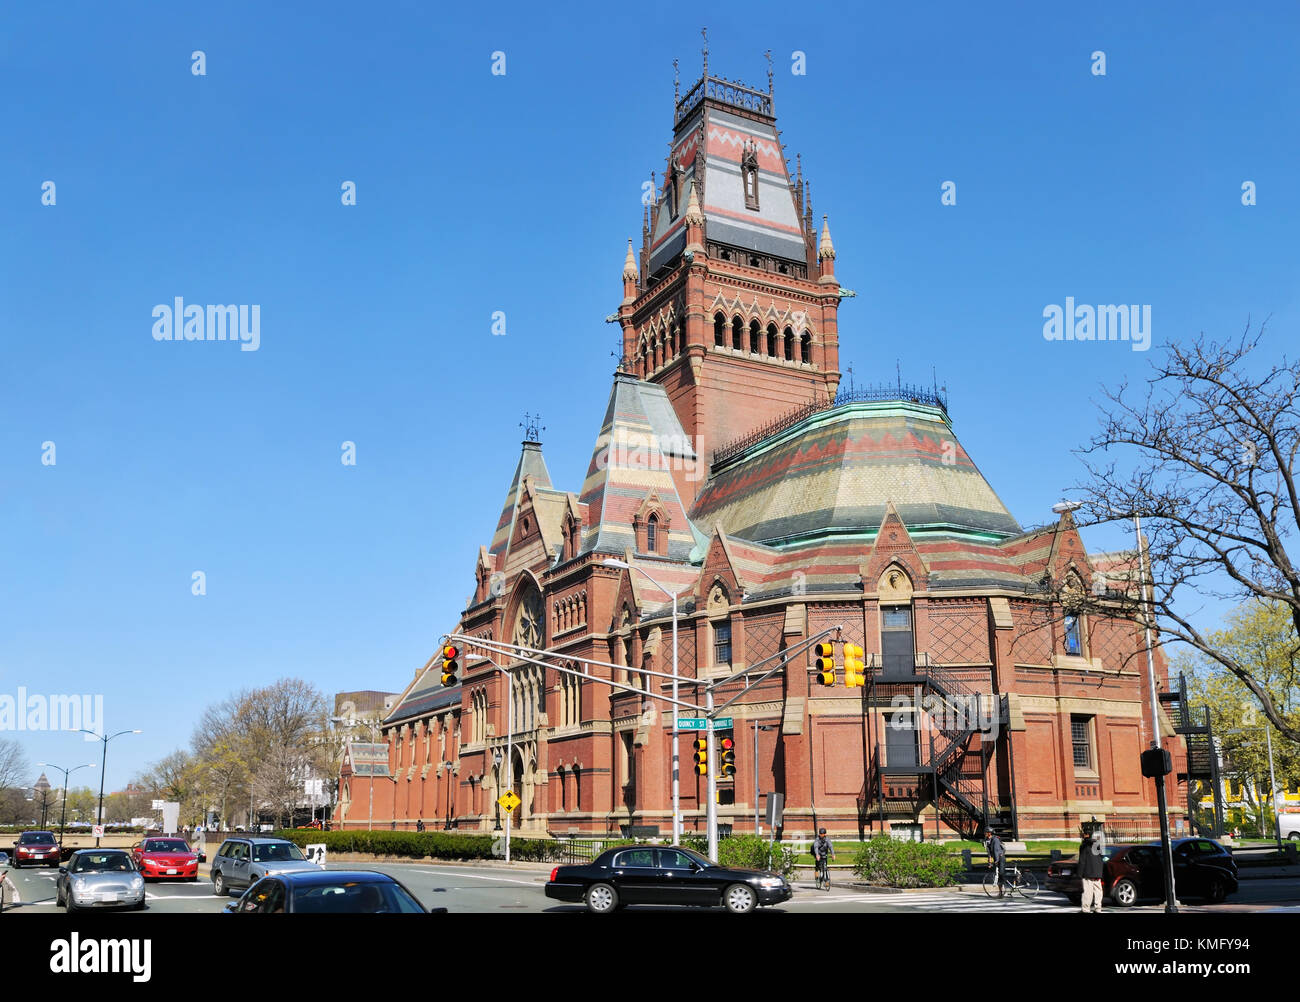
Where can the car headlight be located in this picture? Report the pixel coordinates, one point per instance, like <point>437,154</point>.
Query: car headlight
<point>771,882</point>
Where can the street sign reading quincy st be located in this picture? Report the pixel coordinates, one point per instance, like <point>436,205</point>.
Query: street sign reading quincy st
<point>699,724</point>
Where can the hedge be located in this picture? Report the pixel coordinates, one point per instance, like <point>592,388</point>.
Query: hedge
<point>746,852</point>
<point>421,845</point>
<point>895,863</point>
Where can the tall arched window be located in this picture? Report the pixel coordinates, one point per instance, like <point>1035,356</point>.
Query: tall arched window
<point>737,333</point>
<point>755,337</point>
<point>771,340</point>
<point>805,347</point>
<point>652,534</point>
<point>719,330</point>
<point>789,345</point>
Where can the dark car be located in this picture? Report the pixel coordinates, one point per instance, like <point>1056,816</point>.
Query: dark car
<point>243,861</point>
<point>40,848</point>
<point>663,875</point>
<point>328,892</point>
<point>1202,868</point>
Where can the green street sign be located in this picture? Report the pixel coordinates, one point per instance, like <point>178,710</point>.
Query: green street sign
<point>700,724</point>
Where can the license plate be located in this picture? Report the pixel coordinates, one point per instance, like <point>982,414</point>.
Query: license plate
<point>171,871</point>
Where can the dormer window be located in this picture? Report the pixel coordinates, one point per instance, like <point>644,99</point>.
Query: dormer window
<point>651,533</point>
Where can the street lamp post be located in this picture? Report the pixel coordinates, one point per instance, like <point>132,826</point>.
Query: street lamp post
<point>1171,901</point>
<point>66,772</point>
<point>677,814</point>
<point>103,768</point>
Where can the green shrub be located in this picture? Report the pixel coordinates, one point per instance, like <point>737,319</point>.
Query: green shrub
<point>746,852</point>
<point>419,845</point>
<point>894,863</point>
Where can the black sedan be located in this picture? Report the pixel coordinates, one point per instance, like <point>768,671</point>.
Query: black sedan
<point>650,875</point>
<point>328,892</point>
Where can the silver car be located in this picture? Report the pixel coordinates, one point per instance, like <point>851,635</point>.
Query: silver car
<point>243,861</point>
<point>99,878</point>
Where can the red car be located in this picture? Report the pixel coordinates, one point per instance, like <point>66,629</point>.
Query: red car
<point>36,848</point>
<point>166,859</point>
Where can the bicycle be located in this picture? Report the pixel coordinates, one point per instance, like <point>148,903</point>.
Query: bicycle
<point>1016,879</point>
<point>823,874</point>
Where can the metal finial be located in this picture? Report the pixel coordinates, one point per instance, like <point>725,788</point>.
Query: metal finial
<point>705,33</point>
<point>676,84</point>
<point>532,431</point>
<point>769,72</point>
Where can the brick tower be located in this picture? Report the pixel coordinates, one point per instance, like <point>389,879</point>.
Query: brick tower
<point>732,307</point>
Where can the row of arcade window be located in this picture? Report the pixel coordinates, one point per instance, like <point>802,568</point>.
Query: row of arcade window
<point>775,345</point>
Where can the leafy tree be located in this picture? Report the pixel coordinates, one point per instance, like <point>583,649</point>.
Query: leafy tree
<point>1206,455</point>
<point>1258,635</point>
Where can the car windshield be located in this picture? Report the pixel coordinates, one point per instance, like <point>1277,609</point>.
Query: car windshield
<point>166,845</point>
<point>353,897</point>
<point>103,862</point>
<point>36,838</point>
<point>276,852</point>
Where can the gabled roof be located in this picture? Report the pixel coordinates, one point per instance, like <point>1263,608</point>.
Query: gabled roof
<point>832,475</point>
<point>366,758</point>
<point>425,694</point>
<point>531,464</point>
<point>640,443</point>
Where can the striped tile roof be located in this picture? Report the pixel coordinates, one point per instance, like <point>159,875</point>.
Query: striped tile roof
<point>640,443</point>
<point>832,474</point>
<point>531,464</point>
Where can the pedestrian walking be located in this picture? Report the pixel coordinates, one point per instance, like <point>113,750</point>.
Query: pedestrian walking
<point>1092,867</point>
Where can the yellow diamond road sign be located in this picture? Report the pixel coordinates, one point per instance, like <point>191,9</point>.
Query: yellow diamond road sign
<point>509,800</point>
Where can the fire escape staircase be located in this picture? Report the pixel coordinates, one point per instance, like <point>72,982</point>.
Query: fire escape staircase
<point>951,772</point>
<point>1193,723</point>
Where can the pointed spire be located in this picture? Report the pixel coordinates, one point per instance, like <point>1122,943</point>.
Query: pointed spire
<point>629,264</point>
<point>693,214</point>
<point>827,249</point>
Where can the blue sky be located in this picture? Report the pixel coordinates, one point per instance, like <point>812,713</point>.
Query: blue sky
<point>478,193</point>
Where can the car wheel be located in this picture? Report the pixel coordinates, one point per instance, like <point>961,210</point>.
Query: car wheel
<point>1294,836</point>
<point>739,899</point>
<point>58,897</point>
<point>601,899</point>
<point>139,905</point>
<point>219,885</point>
<point>1124,893</point>
<point>1217,890</point>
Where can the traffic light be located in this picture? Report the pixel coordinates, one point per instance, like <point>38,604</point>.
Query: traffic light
<point>727,765</point>
<point>450,666</point>
<point>702,756</point>
<point>825,664</point>
<point>854,666</point>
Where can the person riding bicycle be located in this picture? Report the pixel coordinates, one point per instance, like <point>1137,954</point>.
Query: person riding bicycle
<point>823,850</point>
<point>997,857</point>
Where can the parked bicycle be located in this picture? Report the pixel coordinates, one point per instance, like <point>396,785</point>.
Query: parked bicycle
<point>1016,879</point>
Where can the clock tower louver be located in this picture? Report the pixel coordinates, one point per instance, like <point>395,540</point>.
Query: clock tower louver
<point>732,308</point>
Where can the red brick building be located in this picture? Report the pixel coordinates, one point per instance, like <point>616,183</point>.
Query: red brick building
<point>734,468</point>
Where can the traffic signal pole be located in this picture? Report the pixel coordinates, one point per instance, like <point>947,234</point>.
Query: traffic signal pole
<point>711,813</point>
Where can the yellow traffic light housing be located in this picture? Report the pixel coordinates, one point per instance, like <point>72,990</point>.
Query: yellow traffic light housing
<point>450,664</point>
<point>824,663</point>
<point>727,765</point>
<point>702,756</point>
<point>854,666</point>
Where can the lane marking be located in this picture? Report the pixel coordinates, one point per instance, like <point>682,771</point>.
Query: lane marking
<point>474,876</point>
